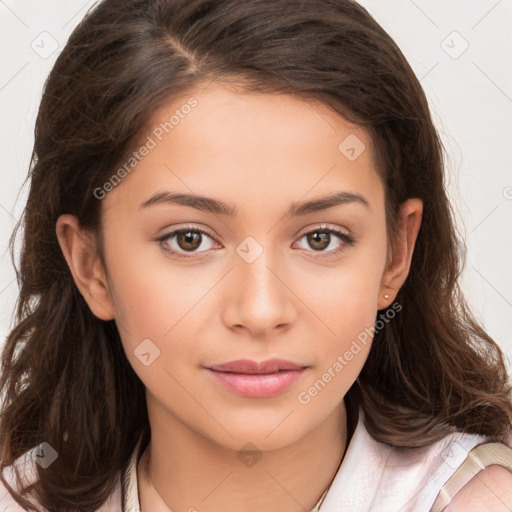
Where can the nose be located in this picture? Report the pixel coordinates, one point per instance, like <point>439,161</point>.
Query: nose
<point>259,297</point>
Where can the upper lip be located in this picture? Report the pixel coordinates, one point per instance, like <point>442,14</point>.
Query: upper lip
<point>248,366</point>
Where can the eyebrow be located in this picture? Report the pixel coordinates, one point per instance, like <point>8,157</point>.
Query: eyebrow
<point>215,206</point>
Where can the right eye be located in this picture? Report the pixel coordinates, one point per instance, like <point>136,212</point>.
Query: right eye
<point>185,240</point>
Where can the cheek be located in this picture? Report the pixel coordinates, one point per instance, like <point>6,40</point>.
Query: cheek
<point>350,314</point>
<point>143,301</point>
<point>344,302</point>
<point>155,302</point>
<point>349,311</point>
<point>144,291</point>
<point>346,299</point>
<point>152,320</point>
<point>349,294</point>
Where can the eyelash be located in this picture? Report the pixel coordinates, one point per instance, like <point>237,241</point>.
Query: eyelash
<point>346,239</point>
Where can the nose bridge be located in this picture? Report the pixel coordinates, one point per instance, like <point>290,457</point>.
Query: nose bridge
<point>260,299</point>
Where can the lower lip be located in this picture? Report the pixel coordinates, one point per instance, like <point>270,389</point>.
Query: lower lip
<point>258,385</point>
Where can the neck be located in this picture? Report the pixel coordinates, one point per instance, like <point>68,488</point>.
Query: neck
<point>188,471</point>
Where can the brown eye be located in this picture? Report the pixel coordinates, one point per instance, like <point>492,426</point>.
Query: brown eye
<point>319,240</point>
<point>188,240</point>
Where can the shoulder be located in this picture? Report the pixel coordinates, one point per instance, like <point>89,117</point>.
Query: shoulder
<point>489,490</point>
<point>482,482</point>
<point>434,476</point>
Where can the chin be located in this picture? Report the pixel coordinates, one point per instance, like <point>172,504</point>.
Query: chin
<point>264,432</point>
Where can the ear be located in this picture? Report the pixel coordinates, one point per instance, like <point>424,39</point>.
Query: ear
<point>79,249</point>
<point>400,251</point>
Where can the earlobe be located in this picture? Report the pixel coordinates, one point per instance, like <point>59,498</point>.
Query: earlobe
<point>401,251</point>
<point>85,266</point>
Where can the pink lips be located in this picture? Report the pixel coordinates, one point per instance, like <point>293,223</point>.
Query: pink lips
<point>258,380</point>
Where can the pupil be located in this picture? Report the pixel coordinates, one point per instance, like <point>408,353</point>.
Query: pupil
<point>320,238</point>
<point>187,238</point>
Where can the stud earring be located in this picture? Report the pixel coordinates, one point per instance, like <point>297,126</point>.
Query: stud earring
<point>386,296</point>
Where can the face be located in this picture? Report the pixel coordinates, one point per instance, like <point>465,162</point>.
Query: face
<point>263,277</point>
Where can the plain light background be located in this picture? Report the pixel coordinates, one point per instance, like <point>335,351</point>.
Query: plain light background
<point>461,52</point>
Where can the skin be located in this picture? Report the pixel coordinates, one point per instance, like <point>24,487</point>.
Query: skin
<point>490,490</point>
<point>260,152</point>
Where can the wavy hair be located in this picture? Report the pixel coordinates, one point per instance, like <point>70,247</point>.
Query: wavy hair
<point>65,378</point>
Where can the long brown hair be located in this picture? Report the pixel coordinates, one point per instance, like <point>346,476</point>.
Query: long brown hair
<point>65,378</point>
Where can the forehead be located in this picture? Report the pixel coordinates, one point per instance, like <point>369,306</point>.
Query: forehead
<point>224,116</point>
<point>249,147</point>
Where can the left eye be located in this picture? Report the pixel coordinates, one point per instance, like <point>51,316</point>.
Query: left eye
<point>321,239</point>
<point>189,240</point>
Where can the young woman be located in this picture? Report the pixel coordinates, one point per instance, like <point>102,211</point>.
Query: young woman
<point>239,277</point>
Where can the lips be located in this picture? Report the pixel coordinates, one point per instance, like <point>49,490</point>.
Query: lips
<point>252,367</point>
<point>257,379</point>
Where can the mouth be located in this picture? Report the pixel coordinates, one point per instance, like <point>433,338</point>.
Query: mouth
<point>257,379</point>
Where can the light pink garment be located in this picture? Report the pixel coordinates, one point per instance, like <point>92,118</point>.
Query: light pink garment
<point>374,477</point>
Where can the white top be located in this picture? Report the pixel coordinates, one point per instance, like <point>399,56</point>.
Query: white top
<point>373,477</point>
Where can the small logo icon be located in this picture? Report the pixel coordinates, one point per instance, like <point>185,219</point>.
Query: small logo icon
<point>249,250</point>
<point>44,455</point>
<point>44,45</point>
<point>454,45</point>
<point>454,454</point>
<point>249,455</point>
<point>352,147</point>
<point>146,352</point>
